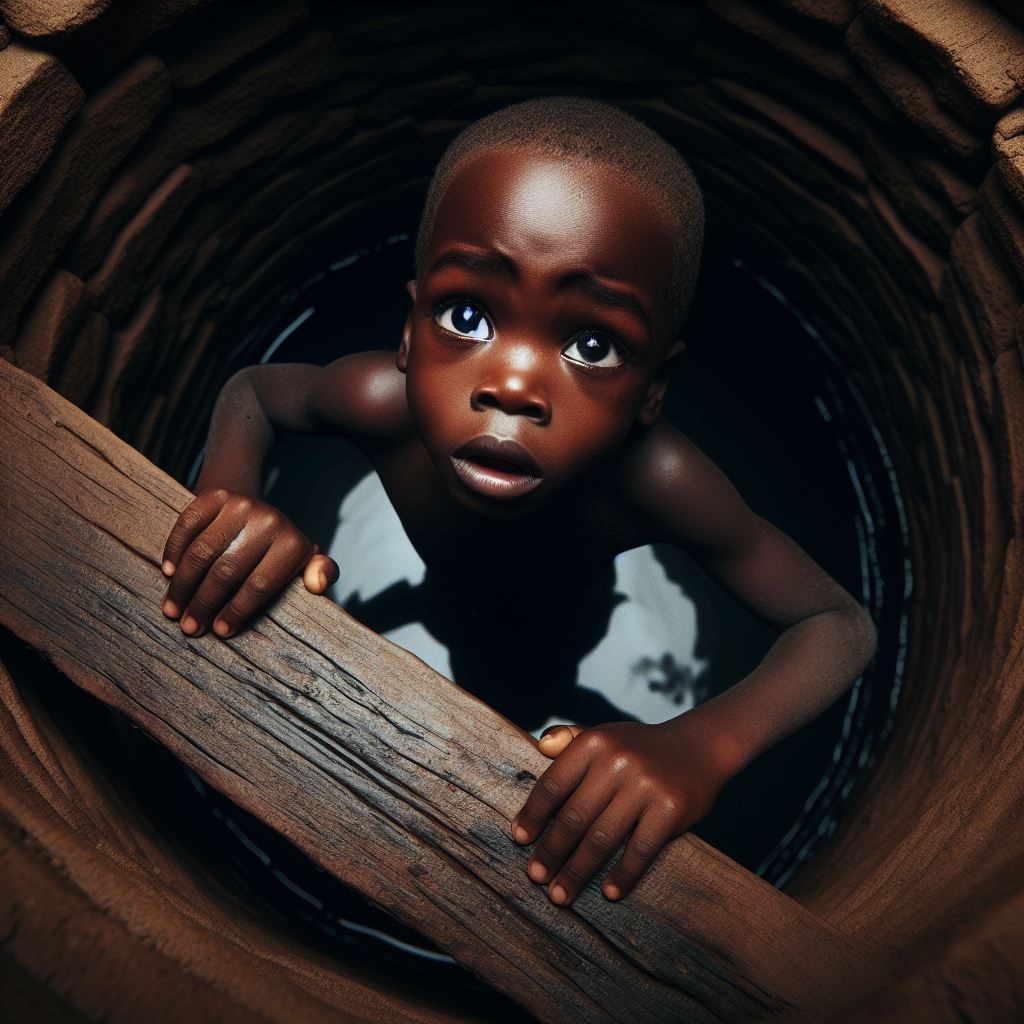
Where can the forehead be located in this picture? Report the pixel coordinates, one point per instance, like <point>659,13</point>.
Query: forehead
<point>552,213</point>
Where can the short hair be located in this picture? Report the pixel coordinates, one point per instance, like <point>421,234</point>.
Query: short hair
<point>587,131</point>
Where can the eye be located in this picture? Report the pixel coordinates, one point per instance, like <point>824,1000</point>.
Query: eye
<point>592,348</point>
<point>464,318</point>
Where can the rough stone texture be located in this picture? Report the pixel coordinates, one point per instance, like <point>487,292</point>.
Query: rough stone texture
<point>224,44</point>
<point>51,325</point>
<point>37,99</point>
<point>85,360</point>
<point>904,87</point>
<point>869,154</point>
<point>191,127</point>
<point>50,17</point>
<point>5,35</point>
<point>36,230</point>
<point>157,15</point>
<point>116,284</point>
<point>131,348</point>
<point>964,46</point>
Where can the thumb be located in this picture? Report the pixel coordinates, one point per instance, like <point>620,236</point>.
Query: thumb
<point>320,572</point>
<point>556,738</point>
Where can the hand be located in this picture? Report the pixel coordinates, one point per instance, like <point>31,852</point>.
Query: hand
<point>644,783</point>
<point>228,555</point>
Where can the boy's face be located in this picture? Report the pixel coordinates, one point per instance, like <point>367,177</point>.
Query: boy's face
<point>540,326</point>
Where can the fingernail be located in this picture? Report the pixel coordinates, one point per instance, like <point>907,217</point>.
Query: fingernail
<point>537,871</point>
<point>168,567</point>
<point>171,610</point>
<point>321,578</point>
<point>221,628</point>
<point>613,892</point>
<point>558,894</point>
<point>520,833</point>
<point>189,625</point>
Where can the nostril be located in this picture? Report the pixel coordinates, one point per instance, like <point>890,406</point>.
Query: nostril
<point>485,400</point>
<point>511,401</point>
<point>536,411</point>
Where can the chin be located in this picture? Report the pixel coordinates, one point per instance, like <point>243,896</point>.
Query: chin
<point>497,508</point>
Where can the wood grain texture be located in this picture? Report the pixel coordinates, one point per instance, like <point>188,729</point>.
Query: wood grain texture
<point>388,776</point>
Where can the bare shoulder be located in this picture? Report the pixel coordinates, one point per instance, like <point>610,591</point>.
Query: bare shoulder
<point>362,396</point>
<point>680,494</point>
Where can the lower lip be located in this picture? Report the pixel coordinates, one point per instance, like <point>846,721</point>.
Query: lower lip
<point>494,483</point>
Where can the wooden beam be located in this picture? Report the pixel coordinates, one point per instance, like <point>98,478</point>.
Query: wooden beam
<point>387,775</point>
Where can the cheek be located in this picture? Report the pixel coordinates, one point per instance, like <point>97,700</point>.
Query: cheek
<point>433,393</point>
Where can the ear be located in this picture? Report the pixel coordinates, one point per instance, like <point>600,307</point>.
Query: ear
<point>650,408</point>
<point>402,359</point>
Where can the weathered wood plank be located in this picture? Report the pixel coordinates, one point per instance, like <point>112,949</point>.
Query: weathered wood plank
<point>388,776</point>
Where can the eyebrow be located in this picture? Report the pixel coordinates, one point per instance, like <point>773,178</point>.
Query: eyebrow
<point>489,262</point>
<point>492,262</point>
<point>609,296</point>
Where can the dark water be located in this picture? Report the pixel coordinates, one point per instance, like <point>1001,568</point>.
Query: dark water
<point>761,392</point>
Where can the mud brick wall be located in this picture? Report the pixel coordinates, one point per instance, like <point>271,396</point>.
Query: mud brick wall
<point>171,168</point>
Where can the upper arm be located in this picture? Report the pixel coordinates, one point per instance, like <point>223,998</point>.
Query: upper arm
<point>687,500</point>
<point>361,396</point>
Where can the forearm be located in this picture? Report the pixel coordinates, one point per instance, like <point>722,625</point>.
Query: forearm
<point>807,668</point>
<point>240,436</point>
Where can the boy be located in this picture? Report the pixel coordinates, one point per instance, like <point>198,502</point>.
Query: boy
<point>517,434</point>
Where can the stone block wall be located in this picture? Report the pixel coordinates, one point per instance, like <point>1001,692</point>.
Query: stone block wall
<point>172,168</point>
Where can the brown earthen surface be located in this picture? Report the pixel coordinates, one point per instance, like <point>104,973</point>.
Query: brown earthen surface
<point>868,154</point>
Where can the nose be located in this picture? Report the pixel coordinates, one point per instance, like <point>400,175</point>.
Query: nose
<point>514,384</point>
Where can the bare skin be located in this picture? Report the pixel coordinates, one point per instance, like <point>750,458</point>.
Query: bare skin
<point>517,434</point>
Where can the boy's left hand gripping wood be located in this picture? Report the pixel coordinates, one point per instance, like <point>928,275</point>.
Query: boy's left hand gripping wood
<point>388,776</point>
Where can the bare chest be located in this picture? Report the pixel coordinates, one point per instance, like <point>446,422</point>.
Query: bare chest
<point>563,548</point>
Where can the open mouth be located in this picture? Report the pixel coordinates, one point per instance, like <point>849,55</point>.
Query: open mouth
<point>495,468</point>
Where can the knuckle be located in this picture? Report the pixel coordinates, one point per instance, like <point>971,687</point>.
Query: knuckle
<point>642,849</point>
<point>200,552</point>
<point>190,518</point>
<point>232,614</point>
<point>600,840</point>
<point>549,788</point>
<point>296,545</point>
<point>259,584</point>
<point>224,571</point>
<point>201,606</point>
<point>669,806</point>
<point>217,496</point>
<point>577,873</point>
<point>572,820</point>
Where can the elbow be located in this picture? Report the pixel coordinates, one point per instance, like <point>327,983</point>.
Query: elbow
<point>864,635</point>
<point>242,380</point>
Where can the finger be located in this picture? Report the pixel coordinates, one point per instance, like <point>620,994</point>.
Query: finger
<point>598,846</point>
<point>281,564</point>
<point>567,831</point>
<point>556,738</point>
<point>197,560</point>
<point>222,581</point>
<point>652,832</point>
<point>196,517</point>
<point>320,573</point>
<point>548,794</point>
